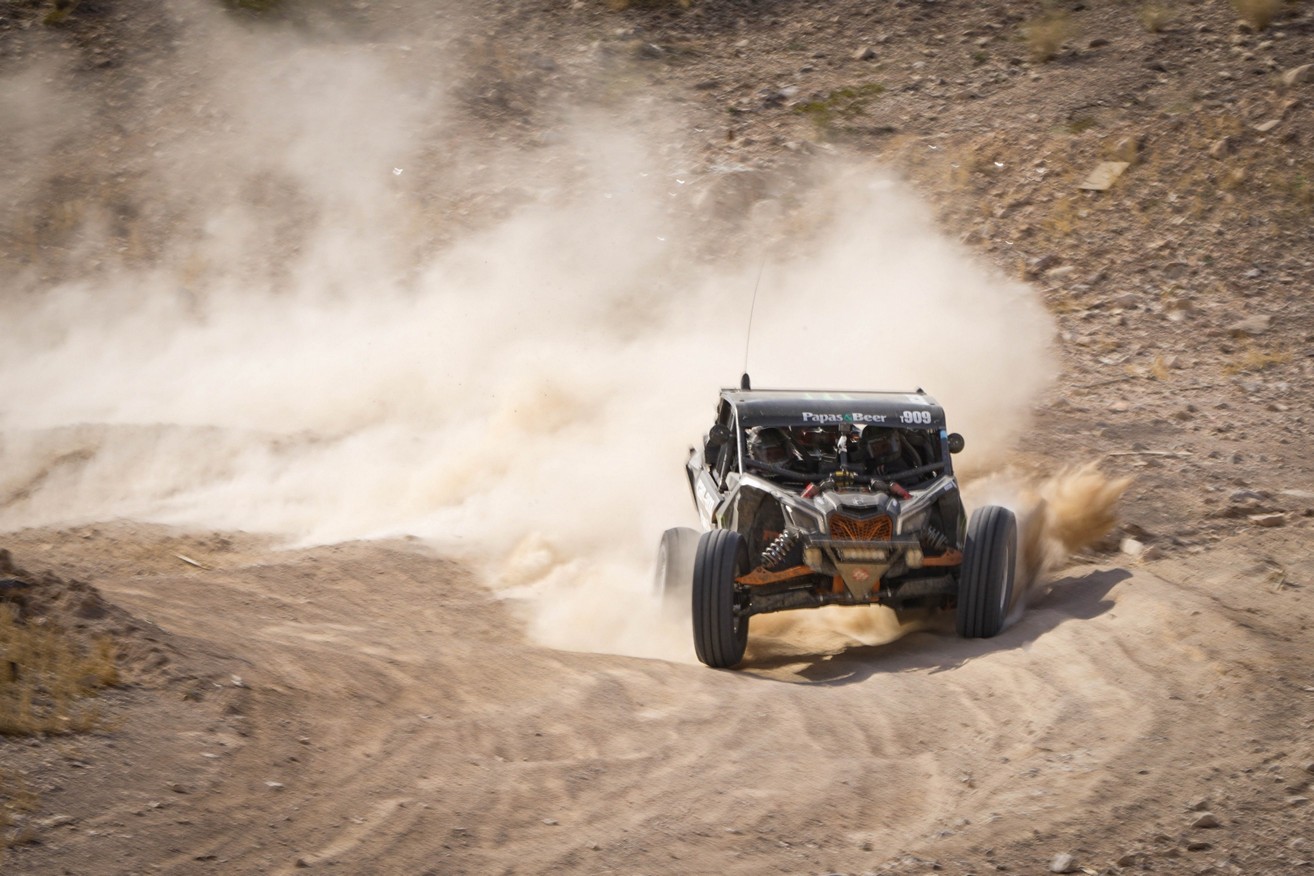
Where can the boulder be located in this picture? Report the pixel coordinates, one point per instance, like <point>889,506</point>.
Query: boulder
<point>1298,75</point>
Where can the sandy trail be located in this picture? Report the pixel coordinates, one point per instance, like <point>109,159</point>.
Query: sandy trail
<point>410,727</point>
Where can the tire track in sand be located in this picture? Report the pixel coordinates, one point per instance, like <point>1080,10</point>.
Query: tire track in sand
<point>409,722</point>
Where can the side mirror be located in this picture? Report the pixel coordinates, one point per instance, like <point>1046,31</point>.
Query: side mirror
<point>719,434</point>
<point>956,443</point>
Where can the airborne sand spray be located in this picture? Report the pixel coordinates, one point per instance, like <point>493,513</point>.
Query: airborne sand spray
<point>1057,517</point>
<point>316,350</point>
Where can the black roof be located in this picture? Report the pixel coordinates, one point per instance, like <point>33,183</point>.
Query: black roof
<point>792,407</point>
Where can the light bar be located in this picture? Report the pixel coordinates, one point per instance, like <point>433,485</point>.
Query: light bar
<point>866,555</point>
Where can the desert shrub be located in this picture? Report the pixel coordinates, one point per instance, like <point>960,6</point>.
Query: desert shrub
<point>1046,33</point>
<point>1254,358</point>
<point>1257,13</point>
<point>46,675</point>
<point>253,5</point>
<point>842,104</point>
<point>622,5</point>
<point>1301,191</point>
<point>60,10</point>
<point>1156,16</point>
<point>1081,124</point>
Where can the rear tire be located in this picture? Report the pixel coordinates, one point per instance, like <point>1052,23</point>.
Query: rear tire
<point>673,577</point>
<point>720,636</point>
<point>985,582</point>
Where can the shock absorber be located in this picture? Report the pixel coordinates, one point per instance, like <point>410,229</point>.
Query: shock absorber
<point>933,539</point>
<point>776,553</point>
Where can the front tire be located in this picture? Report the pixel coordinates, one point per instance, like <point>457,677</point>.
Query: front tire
<point>720,635</point>
<point>985,583</point>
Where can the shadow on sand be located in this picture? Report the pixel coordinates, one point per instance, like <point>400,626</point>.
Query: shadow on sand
<point>938,649</point>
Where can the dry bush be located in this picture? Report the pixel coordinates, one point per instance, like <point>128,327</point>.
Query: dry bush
<point>1253,358</point>
<point>1046,33</point>
<point>1257,13</point>
<point>258,6</point>
<point>622,5</point>
<point>1299,190</point>
<point>1082,124</point>
<point>840,105</point>
<point>1063,216</point>
<point>45,676</point>
<point>1156,16</point>
<point>1232,179</point>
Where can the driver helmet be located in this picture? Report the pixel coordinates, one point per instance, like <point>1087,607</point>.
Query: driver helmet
<point>769,445</point>
<point>882,446</point>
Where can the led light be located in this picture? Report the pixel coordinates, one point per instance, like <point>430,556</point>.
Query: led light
<point>812,557</point>
<point>867,555</point>
<point>913,557</point>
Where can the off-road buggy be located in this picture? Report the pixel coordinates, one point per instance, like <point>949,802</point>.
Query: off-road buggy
<point>832,498</point>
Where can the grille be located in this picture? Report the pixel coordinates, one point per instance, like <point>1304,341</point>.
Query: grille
<point>878,528</point>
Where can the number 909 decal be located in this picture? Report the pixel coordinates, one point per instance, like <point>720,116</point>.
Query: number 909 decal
<point>916,417</point>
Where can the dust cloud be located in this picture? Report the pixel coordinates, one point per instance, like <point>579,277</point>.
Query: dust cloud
<point>347,314</point>
<point>1058,516</point>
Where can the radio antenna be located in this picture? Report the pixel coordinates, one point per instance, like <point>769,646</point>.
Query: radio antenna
<point>748,337</point>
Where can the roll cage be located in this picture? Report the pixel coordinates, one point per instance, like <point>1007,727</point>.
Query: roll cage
<point>740,413</point>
